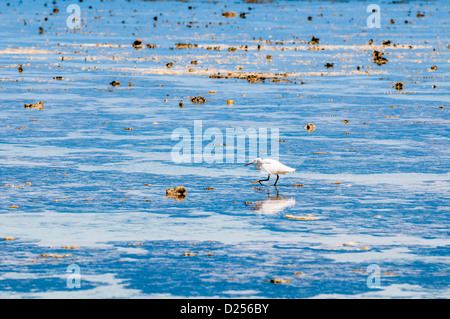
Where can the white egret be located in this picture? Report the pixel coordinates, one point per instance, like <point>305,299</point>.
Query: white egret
<point>271,166</point>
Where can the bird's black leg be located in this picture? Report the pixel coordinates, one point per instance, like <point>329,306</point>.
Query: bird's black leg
<point>263,180</point>
<point>278,176</point>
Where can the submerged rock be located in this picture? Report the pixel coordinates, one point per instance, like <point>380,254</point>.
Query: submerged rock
<point>185,45</point>
<point>178,193</point>
<point>278,281</point>
<point>310,127</point>
<point>253,78</point>
<point>307,217</point>
<point>69,247</point>
<point>378,58</point>
<point>198,99</point>
<point>227,14</point>
<point>39,106</point>
<point>314,40</point>
<point>138,44</point>
<point>189,254</point>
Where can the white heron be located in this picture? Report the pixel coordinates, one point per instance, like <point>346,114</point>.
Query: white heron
<point>271,166</point>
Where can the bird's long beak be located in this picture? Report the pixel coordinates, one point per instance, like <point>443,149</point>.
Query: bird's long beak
<point>249,163</point>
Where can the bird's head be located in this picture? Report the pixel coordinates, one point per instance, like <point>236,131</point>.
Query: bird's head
<point>256,160</point>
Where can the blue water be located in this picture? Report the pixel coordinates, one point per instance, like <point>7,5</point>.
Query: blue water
<point>377,188</point>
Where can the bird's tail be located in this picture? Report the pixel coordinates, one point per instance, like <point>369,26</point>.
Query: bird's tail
<point>290,169</point>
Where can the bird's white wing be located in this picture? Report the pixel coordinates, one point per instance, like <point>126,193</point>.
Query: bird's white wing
<point>274,167</point>
<point>268,168</point>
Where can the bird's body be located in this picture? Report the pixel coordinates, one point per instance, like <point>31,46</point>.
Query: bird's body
<point>272,167</point>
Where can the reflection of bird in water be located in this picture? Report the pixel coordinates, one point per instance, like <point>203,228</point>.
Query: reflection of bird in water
<point>271,166</point>
<point>273,205</point>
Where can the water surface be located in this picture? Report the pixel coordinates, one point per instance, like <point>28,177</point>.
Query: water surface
<point>373,175</point>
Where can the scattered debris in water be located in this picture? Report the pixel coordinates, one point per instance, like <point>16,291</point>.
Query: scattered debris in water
<point>278,281</point>
<point>185,45</point>
<point>307,217</point>
<point>39,106</point>
<point>178,193</point>
<point>69,247</point>
<point>227,14</point>
<point>138,44</point>
<point>378,58</point>
<point>56,255</point>
<point>310,127</point>
<point>314,40</point>
<point>198,100</point>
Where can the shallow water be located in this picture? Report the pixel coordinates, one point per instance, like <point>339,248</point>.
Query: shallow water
<point>376,189</point>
